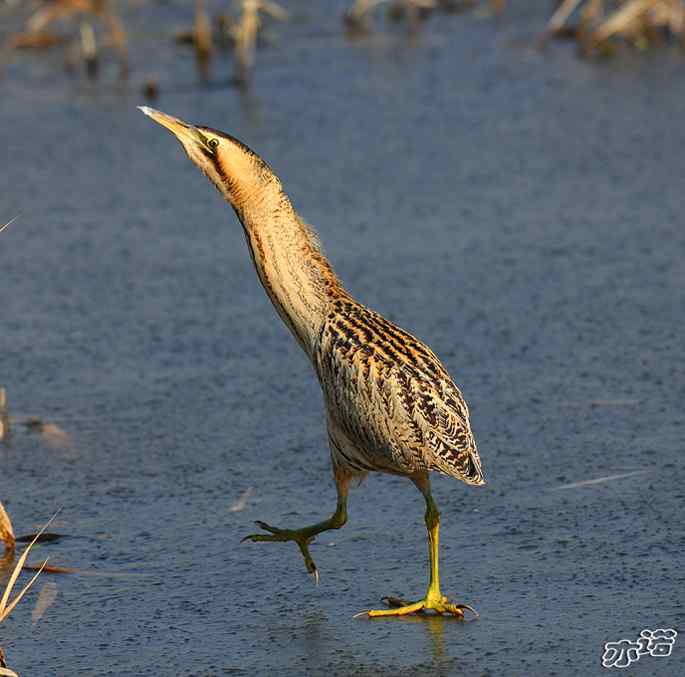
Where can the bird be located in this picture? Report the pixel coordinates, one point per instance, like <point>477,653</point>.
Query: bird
<point>391,406</point>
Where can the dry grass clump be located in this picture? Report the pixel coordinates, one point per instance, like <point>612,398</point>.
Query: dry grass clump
<point>240,31</point>
<point>82,18</point>
<point>358,18</point>
<point>8,605</point>
<point>602,25</point>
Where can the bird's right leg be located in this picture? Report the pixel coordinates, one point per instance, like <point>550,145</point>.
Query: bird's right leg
<point>434,599</point>
<point>304,536</point>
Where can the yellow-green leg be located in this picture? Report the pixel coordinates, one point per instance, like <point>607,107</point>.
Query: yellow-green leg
<point>304,536</point>
<point>434,599</point>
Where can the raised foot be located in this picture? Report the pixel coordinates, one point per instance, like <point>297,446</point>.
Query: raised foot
<point>399,607</point>
<point>276,535</point>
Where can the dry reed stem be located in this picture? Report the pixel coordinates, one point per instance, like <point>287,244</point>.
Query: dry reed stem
<point>246,38</point>
<point>89,48</point>
<point>245,33</point>
<point>11,221</point>
<point>601,480</point>
<point>4,415</point>
<point>203,28</point>
<point>202,38</point>
<point>561,16</point>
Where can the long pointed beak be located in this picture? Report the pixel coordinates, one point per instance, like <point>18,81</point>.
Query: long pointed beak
<point>181,130</point>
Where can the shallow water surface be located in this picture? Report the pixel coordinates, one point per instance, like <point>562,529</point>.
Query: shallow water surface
<point>520,211</point>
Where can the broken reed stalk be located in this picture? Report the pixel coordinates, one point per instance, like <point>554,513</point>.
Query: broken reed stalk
<point>4,415</point>
<point>6,531</point>
<point>246,39</point>
<point>202,39</point>
<point>89,49</point>
<point>561,16</point>
<point>245,33</point>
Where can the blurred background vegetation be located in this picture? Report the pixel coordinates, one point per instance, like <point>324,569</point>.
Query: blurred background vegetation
<point>84,35</point>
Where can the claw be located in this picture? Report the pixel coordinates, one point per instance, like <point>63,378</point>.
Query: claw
<point>255,538</point>
<point>461,608</point>
<point>282,535</point>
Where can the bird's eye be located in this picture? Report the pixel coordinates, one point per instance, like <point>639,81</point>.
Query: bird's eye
<point>213,144</point>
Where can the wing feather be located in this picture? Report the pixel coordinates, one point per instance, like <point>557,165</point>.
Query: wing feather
<point>392,397</point>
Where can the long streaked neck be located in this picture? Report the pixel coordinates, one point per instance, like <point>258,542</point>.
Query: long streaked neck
<point>297,277</point>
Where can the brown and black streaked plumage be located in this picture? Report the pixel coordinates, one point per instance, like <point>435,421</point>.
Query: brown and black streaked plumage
<point>391,405</point>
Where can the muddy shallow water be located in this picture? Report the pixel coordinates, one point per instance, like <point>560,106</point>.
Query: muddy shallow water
<point>520,211</point>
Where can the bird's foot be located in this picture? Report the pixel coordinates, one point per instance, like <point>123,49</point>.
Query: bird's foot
<point>302,537</point>
<point>438,603</point>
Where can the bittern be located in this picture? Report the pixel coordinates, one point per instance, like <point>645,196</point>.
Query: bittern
<point>391,406</point>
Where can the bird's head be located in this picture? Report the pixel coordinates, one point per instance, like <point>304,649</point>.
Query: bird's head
<point>241,176</point>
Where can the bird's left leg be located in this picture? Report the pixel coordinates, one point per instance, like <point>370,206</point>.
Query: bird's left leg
<point>304,536</point>
<point>434,598</point>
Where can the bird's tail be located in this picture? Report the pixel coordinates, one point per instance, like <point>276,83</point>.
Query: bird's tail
<point>473,471</point>
<point>464,465</point>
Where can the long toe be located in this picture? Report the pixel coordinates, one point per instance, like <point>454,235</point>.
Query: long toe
<point>403,610</point>
<point>275,534</point>
<point>394,602</point>
<point>439,605</point>
<point>256,538</point>
<point>268,527</point>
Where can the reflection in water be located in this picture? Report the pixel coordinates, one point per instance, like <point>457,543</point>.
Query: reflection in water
<point>435,631</point>
<point>434,628</point>
<point>321,639</point>
<point>249,107</point>
<point>317,634</point>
